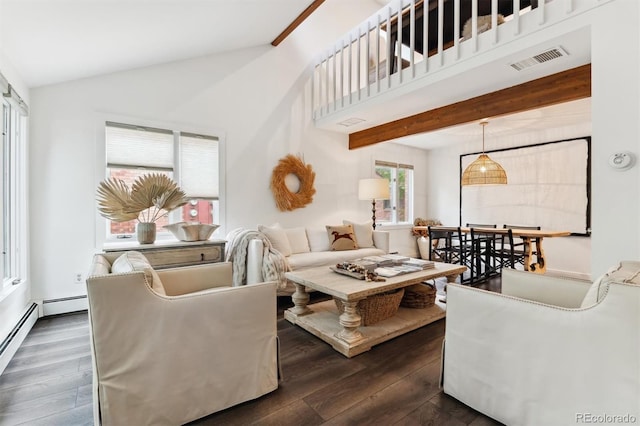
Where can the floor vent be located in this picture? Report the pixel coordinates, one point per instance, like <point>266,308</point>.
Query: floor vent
<point>547,55</point>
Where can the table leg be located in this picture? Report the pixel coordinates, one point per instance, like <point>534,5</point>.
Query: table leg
<point>528,253</point>
<point>300,299</point>
<point>539,267</point>
<point>450,279</point>
<point>350,321</point>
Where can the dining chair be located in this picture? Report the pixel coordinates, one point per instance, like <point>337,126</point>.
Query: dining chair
<point>487,256</point>
<point>483,243</point>
<point>519,249</point>
<point>449,246</point>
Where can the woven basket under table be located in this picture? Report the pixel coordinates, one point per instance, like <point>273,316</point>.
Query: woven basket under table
<point>419,296</point>
<point>377,307</point>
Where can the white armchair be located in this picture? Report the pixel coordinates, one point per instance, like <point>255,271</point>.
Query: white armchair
<point>547,351</point>
<point>170,359</point>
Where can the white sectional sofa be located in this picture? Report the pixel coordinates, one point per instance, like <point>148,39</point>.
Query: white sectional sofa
<point>311,247</point>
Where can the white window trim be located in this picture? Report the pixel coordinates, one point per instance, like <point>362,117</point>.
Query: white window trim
<point>101,119</point>
<point>21,208</point>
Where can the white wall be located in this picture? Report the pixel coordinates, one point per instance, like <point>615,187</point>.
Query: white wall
<point>615,109</point>
<point>259,98</point>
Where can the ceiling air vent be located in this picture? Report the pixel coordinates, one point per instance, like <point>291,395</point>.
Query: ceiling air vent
<point>351,121</point>
<point>547,55</point>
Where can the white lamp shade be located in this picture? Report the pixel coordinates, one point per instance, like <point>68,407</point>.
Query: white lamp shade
<point>373,189</point>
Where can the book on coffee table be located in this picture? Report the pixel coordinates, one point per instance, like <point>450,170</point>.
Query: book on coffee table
<point>420,263</point>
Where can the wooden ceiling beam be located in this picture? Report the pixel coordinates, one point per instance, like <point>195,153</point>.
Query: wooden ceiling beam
<point>557,88</point>
<point>292,26</point>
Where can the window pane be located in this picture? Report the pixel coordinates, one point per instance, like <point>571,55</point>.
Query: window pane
<point>6,201</point>
<point>404,195</point>
<point>384,208</point>
<point>203,211</point>
<point>139,147</point>
<point>13,128</point>
<point>199,165</point>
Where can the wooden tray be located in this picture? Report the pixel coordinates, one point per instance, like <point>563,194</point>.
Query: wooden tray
<point>355,275</point>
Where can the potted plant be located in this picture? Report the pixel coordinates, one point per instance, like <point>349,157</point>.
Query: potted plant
<point>150,197</point>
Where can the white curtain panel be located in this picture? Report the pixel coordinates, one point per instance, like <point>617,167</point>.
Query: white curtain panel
<point>547,187</point>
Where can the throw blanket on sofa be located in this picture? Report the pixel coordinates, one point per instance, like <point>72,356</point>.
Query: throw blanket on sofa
<point>274,265</point>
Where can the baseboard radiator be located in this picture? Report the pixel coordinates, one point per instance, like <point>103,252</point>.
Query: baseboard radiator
<point>64,305</point>
<point>12,342</point>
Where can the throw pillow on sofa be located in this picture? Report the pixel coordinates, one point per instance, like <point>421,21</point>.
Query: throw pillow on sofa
<point>133,261</point>
<point>297,240</point>
<point>363,231</point>
<point>318,240</point>
<point>342,237</point>
<point>278,238</point>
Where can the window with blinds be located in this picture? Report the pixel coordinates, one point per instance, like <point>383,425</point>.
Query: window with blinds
<point>398,209</point>
<point>191,160</point>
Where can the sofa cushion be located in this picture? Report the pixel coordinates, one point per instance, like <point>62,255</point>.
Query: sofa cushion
<point>277,237</point>
<point>341,237</point>
<point>133,261</point>
<point>100,266</point>
<point>627,271</point>
<point>329,258</point>
<point>298,240</point>
<point>318,239</point>
<point>363,231</point>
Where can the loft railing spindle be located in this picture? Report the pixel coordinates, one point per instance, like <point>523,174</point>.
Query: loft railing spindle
<point>456,27</point>
<point>378,29</point>
<point>474,24</point>
<point>494,20</point>
<point>425,34</point>
<point>412,38</point>
<point>358,61</point>
<point>389,65</point>
<point>440,30</point>
<point>399,43</point>
<point>342,74</point>
<point>516,17</point>
<point>335,78</point>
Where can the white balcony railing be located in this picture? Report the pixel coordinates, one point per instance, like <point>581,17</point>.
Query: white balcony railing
<point>376,57</point>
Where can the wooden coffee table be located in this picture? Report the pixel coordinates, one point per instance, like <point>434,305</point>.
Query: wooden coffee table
<point>344,332</point>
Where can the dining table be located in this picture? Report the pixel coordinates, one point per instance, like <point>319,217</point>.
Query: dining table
<point>534,257</point>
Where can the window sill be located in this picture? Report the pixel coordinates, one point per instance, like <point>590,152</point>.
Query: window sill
<point>7,290</point>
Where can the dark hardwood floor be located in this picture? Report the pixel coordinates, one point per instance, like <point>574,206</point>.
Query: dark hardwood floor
<point>48,382</point>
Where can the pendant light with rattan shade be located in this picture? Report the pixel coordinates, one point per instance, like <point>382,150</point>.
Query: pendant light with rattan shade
<point>484,171</point>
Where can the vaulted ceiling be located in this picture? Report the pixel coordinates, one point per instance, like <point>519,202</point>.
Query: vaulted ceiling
<point>51,41</point>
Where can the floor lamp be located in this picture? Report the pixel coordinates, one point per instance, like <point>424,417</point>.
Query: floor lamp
<point>373,189</point>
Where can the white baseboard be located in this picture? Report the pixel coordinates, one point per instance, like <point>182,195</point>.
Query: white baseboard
<point>16,337</point>
<point>64,305</point>
<point>568,274</point>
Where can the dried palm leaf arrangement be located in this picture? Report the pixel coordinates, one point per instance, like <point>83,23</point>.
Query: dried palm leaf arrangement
<point>285,199</point>
<point>150,197</point>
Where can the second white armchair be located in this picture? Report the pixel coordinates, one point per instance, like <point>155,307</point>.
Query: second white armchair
<point>547,351</point>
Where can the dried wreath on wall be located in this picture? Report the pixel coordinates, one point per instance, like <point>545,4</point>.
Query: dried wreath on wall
<point>285,199</point>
